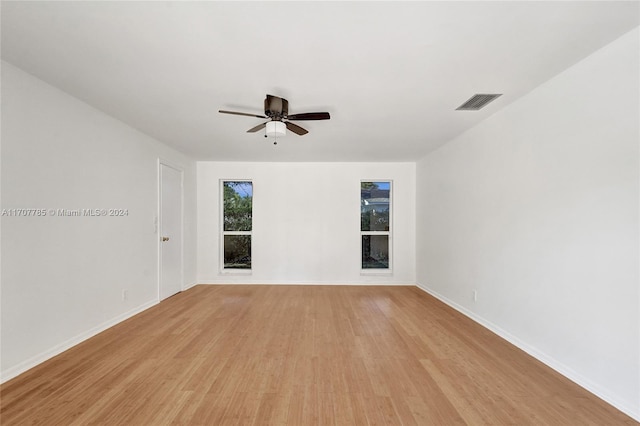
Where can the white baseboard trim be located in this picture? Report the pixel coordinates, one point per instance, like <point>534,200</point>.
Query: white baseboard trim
<point>549,361</point>
<point>58,349</point>
<point>351,283</point>
<point>188,286</point>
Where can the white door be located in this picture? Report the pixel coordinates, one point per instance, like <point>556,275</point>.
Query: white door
<point>170,231</point>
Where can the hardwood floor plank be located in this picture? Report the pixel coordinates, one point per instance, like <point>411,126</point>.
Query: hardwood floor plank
<point>298,355</point>
<point>273,409</point>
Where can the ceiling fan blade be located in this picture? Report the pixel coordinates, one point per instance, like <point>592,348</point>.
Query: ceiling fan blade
<point>310,116</point>
<point>296,129</point>
<point>241,113</point>
<point>258,127</point>
<point>275,106</point>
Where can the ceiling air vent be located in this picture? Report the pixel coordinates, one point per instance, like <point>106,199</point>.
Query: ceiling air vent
<point>477,102</point>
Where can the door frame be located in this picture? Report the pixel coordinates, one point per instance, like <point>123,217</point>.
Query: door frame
<point>158,222</point>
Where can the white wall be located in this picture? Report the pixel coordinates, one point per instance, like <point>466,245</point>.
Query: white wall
<point>537,209</point>
<point>62,277</point>
<point>306,221</point>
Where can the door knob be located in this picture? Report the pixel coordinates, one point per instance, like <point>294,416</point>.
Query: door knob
<point>165,238</point>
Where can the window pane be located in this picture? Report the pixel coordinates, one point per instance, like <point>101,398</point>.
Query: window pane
<point>238,202</point>
<point>375,252</point>
<point>374,206</point>
<point>237,251</point>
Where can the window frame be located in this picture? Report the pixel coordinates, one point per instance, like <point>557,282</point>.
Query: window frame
<point>223,233</point>
<point>389,233</point>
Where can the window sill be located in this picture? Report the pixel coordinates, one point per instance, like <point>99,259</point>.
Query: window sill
<point>236,272</point>
<point>376,272</point>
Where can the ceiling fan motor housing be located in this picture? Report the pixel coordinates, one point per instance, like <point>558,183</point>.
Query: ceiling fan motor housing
<point>275,107</point>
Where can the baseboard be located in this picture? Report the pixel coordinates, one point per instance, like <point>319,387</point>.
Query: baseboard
<point>549,361</point>
<point>58,349</point>
<point>247,282</point>
<point>188,286</point>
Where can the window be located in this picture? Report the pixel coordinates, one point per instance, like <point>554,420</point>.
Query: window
<point>237,210</point>
<point>375,224</point>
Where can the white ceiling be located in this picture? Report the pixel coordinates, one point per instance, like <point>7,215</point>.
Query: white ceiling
<point>390,73</point>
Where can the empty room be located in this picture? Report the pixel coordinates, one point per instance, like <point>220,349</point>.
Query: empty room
<point>318,213</point>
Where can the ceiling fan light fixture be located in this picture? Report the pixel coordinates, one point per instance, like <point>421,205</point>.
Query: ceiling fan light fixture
<point>276,129</point>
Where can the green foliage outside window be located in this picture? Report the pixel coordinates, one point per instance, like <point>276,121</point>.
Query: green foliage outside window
<point>238,206</point>
<point>237,219</point>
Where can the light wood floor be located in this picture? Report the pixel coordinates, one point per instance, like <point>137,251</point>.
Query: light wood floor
<point>298,355</point>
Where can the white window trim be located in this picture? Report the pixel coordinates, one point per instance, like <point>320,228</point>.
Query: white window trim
<point>389,233</point>
<point>223,270</point>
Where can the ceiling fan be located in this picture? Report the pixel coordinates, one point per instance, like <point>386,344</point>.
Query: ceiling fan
<point>277,111</point>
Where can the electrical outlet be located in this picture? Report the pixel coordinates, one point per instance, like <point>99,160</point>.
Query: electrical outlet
<point>125,294</point>
<point>475,295</point>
